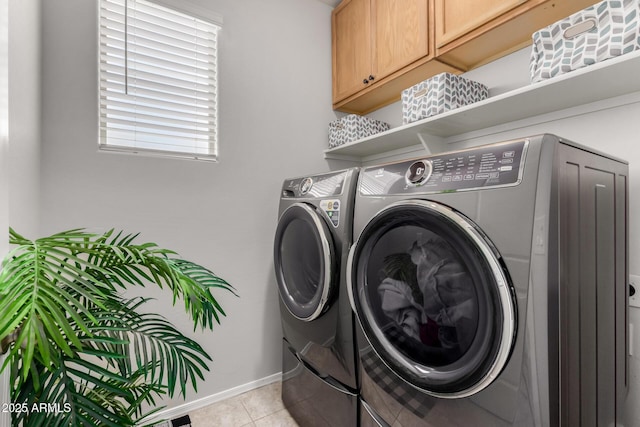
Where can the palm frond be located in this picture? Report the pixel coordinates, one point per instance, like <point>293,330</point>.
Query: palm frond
<point>73,340</point>
<point>122,262</point>
<point>35,299</point>
<point>148,343</point>
<point>66,396</point>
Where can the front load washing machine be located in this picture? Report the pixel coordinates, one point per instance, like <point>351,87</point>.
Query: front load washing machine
<point>489,285</point>
<point>312,239</point>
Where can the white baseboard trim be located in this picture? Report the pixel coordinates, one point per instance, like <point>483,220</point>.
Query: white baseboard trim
<point>184,409</point>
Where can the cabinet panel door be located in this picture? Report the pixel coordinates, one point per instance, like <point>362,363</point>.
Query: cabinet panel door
<point>455,18</point>
<point>351,32</point>
<point>401,34</point>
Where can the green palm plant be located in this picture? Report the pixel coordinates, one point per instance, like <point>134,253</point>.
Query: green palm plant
<point>82,354</point>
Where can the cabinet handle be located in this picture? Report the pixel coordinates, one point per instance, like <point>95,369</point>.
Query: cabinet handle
<point>368,79</point>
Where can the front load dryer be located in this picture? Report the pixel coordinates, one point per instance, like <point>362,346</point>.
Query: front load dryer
<point>312,239</point>
<point>489,286</point>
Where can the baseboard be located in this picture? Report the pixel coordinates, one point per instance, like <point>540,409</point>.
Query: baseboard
<point>188,407</point>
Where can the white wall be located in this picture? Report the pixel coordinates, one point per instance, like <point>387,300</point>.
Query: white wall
<point>5,418</point>
<point>4,123</point>
<point>275,103</point>
<point>19,125</point>
<point>612,130</point>
<point>24,115</point>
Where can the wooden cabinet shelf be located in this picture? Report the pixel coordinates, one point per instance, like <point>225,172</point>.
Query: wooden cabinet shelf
<point>609,79</point>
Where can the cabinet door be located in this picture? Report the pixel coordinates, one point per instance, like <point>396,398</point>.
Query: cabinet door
<point>351,33</point>
<point>400,34</point>
<point>454,18</point>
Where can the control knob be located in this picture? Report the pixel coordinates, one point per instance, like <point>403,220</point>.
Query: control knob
<point>418,173</point>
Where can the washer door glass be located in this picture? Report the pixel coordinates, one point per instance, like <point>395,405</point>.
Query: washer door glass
<point>433,298</point>
<point>304,259</point>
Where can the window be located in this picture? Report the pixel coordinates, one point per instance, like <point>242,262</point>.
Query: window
<point>158,80</point>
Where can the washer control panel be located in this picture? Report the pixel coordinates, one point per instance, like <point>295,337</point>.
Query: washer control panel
<point>480,167</point>
<point>327,185</point>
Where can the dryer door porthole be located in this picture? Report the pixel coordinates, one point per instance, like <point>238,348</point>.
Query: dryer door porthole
<point>304,259</point>
<point>433,298</point>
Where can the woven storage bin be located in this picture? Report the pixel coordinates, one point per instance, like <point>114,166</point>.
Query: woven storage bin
<point>599,32</point>
<point>352,128</point>
<point>440,93</point>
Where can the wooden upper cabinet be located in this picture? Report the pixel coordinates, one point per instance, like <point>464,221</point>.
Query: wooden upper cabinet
<point>352,47</point>
<point>401,34</point>
<point>380,47</point>
<point>458,17</point>
<point>469,34</point>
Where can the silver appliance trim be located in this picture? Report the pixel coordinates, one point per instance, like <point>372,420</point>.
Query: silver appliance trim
<point>326,254</point>
<point>504,294</point>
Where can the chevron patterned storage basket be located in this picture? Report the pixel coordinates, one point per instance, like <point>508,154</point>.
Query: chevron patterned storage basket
<point>599,32</point>
<point>440,93</point>
<point>352,128</point>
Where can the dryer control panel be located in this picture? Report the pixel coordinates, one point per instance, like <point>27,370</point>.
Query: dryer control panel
<point>491,165</point>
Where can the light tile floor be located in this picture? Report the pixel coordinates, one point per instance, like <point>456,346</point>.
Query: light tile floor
<point>261,407</point>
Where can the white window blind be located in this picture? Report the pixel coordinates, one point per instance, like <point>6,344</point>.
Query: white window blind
<point>158,80</point>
